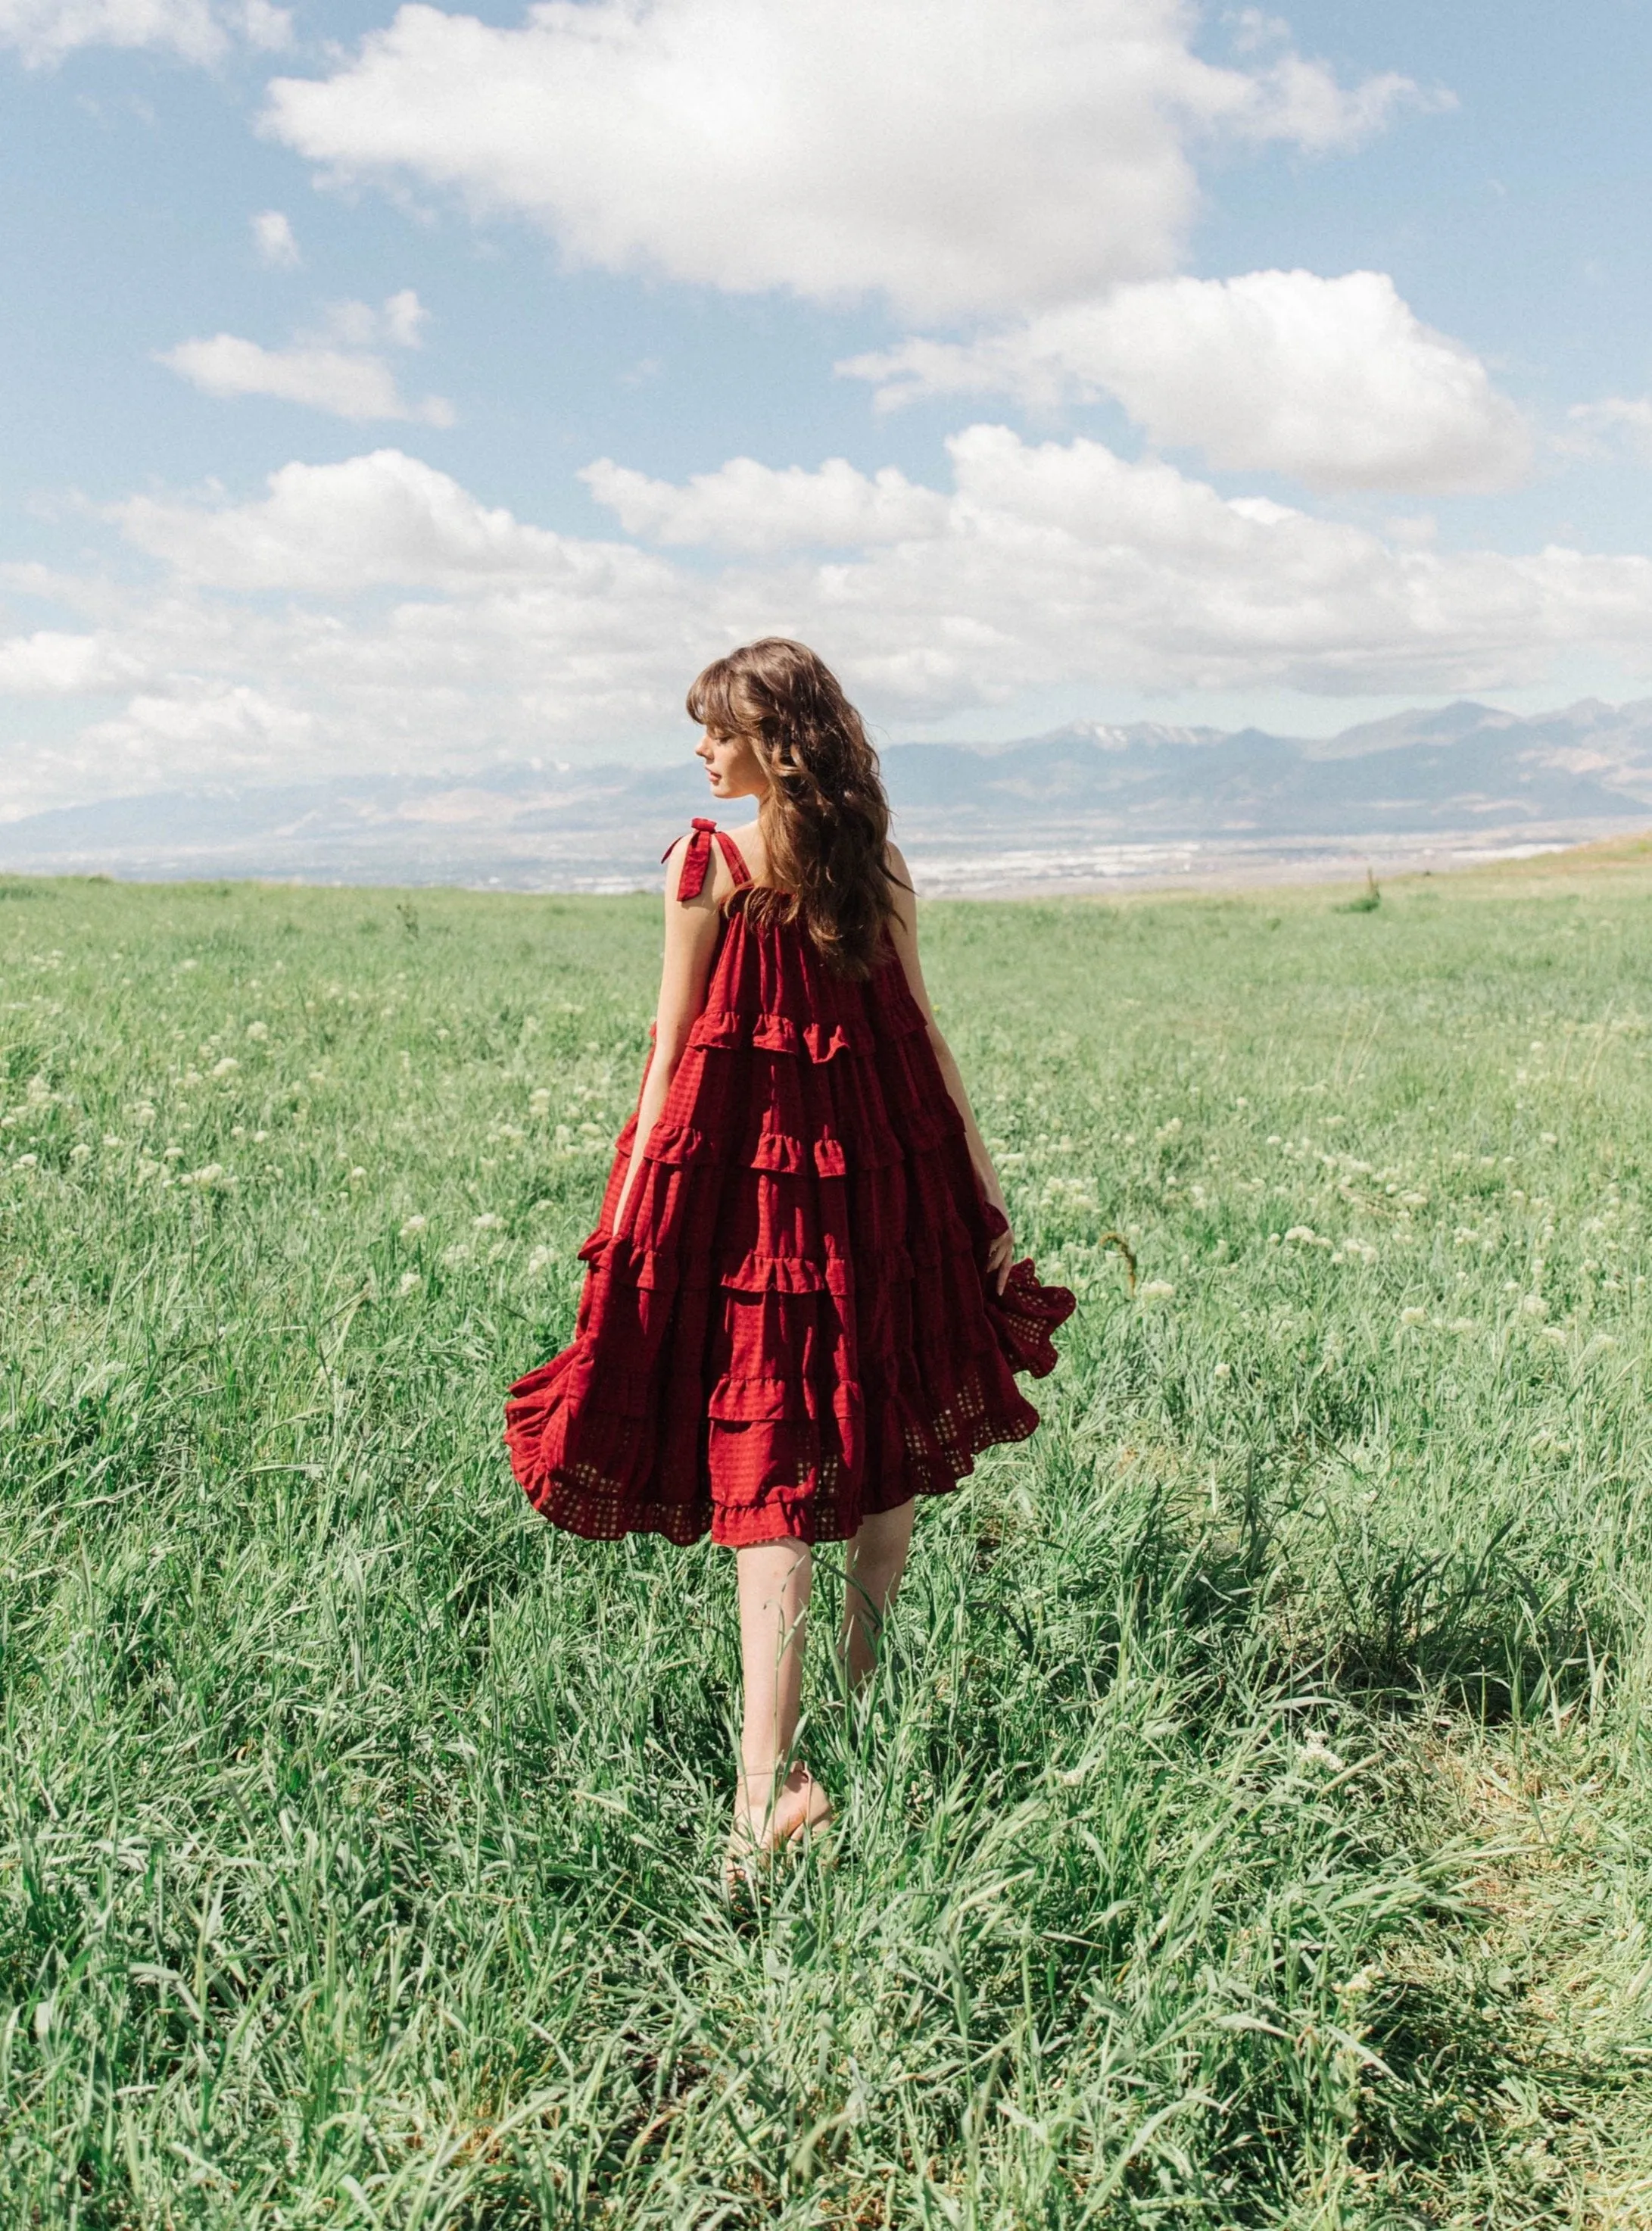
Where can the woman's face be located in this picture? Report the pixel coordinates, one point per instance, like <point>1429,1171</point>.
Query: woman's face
<point>733,767</point>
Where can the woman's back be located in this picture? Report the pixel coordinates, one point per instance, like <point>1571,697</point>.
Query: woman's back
<point>801,1311</point>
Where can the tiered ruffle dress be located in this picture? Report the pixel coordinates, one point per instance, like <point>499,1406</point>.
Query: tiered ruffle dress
<point>793,1327</point>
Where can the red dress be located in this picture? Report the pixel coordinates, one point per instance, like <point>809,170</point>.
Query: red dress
<point>793,1328</point>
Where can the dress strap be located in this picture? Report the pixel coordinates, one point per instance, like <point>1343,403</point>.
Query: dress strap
<point>696,861</point>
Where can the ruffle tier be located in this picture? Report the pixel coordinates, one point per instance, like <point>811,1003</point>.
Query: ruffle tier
<point>793,1328</point>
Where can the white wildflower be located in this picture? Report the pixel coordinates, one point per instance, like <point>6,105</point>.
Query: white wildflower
<point>541,1259</point>
<point>1302,1231</point>
<point>411,1282</point>
<point>1157,1290</point>
<point>1556,1334</point>
<point>459,1252</point>
<point>110,1140</point>
<point>1465,1236</point>
<point>412,1228</point>
<point>1414,1316</point>
<point>258,1030</point>
<point>1359,1982</point>
<point>26,1163</point>
<point>81,1151</point>
<point>1223,1371</point>
<point>1461,1325</point>
<point>1534,1305</point>
<point>356,1174</point>
<point>209,1174</point>
<point>1548,1138</point>
<point>227,1067</point>
<point>173,1154</point>
<point>488,1222</point>
<point>146,1169</point>
<point>1317,1752</point>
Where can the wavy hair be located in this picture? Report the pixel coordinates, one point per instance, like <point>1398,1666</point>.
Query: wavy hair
<point>826,818</point>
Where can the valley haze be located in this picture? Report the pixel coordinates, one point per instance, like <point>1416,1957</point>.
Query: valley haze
<point>1086,807</point>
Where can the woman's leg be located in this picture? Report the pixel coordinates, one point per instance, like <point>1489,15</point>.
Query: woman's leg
<point>774,1583</point>
<point>872,1570</point>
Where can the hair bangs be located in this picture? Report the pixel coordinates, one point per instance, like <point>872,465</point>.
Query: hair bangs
<point>711,697</point>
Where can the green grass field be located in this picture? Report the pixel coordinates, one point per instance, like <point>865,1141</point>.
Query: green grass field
<point>1251,1820</point>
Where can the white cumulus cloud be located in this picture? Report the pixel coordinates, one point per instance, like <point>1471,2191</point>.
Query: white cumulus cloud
<point>746,506</point>
<point>985,157</point>
<point>1333,381</point>
<point>43,32</point>
<point>1626,418</point>
<point>52,663</point>
<point>383,518</point>
<point>266,644</point>
<point>336,371</point>
<point>275,241</point>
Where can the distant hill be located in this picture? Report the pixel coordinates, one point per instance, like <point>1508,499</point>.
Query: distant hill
<point>1079,792</point>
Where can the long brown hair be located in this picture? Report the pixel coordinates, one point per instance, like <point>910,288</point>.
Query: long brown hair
<point>826,818</point>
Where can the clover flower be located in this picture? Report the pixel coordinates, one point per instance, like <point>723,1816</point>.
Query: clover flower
<point>1317,1752</point>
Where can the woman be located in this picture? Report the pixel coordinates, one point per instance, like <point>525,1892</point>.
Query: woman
<point>801,1310</point>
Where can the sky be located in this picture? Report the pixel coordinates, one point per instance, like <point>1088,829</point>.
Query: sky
<point>413,390</point>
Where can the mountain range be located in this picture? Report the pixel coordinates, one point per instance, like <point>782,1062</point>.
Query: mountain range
<point>1087,802</point>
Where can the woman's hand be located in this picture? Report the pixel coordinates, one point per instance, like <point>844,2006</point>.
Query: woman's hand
<point>1001,1250</point>
<point>1000,1255</point>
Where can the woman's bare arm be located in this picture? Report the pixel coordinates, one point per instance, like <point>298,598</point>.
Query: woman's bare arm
<point>903,931</point>
<point>691,932</point>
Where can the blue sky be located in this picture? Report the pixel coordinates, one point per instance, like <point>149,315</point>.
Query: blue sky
<point>322,495</point>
